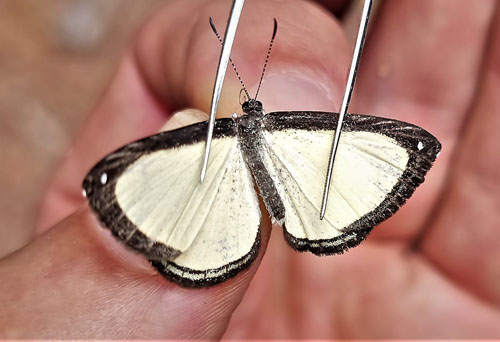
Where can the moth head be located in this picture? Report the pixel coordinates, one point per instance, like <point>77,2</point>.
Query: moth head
<point>252,105</point>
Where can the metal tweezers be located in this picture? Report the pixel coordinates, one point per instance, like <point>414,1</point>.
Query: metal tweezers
<point>227,45</point>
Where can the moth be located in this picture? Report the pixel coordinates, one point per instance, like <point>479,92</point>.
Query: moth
<point>148,193</point>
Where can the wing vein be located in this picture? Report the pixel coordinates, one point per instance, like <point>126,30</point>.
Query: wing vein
<point>373,155</point>
<point>271,151</point>
<point>223,167</point>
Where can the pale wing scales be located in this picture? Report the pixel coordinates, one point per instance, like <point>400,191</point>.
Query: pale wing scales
<point>230,229</point>
<point>161,195</point>
<point>214,226</point>
<point>149,195</point>
<point>298,160</point>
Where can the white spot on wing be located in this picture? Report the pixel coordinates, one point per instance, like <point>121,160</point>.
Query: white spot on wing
<point>420,146</point>
<point>234,115</point>
<point>104,178</point>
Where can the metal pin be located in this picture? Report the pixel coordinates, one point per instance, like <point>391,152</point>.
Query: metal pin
<point>232,25</point>
<point>363,27</point>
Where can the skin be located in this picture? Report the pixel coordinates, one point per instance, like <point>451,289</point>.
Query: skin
<point>431,271</point>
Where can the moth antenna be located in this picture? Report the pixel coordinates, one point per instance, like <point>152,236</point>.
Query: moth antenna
<point>268,55</point>
<point>212,25</point>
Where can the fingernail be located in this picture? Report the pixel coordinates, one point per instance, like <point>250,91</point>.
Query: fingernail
<point>298,90</point>
<point>183,118</point>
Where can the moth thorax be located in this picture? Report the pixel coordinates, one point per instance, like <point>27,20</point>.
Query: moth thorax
<point>250,123</point>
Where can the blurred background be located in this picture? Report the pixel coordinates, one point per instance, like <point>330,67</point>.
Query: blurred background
<point>56,57</point>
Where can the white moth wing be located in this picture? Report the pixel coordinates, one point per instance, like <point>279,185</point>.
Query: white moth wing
<point>161,193</point>
<point>369,166</point>
<point>213,228</point>
<point>223,221</point>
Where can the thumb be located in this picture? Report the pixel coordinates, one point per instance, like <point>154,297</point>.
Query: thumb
<point>76,281</point>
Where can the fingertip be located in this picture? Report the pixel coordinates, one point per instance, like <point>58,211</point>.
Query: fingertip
<point>309,57</point>
<point>78,269</point>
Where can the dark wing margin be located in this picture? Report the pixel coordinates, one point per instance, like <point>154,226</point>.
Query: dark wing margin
<point>99,188</point>
<point>186,276</point>
<point>421,146</point>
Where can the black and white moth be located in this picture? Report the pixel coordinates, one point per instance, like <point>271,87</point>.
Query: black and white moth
<point>148,193</point>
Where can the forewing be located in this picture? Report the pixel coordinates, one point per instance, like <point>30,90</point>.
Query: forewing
<point>379,164</point>
<point>149,195</point>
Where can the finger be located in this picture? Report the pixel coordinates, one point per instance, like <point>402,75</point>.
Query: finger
<point>76,281</point>
<point>337,7</point>
<point>126,112</point>
<point>173,64</point>
<point>376,290</point>
<point>297,76</point>
<point>421,65</point>
<point>464,239</point>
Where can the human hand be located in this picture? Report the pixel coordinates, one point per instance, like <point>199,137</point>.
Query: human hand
<point>433,270</point>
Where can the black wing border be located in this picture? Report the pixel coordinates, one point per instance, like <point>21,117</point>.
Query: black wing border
<point>102,200</point>
<point>407,135</point>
